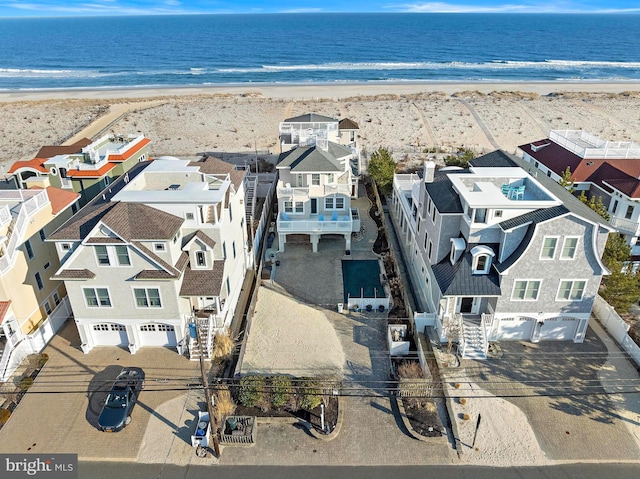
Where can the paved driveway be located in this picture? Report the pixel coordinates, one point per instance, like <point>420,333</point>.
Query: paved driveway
<point>59,413</point>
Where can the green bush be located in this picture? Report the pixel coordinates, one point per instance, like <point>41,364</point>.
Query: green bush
<point>281,391</point>
<point>310,394</point>
<point>42,360</point>
<point>5,414</point>
<point>251,391</point>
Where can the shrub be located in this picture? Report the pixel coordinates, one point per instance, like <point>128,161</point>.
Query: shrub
<point>281,391</point>
<point>26,383</point>
<point>42,360</point>
<point>309,394</point>
<point>223,345</point>
<point>409,370</point>
<point>224,404</point>
<point>251,391</point>
<point>5,414</point>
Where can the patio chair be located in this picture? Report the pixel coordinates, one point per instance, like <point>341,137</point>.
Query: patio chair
<point>285,217</point>
<point>320,217</point>
<point>334,216</point>
<point>519,193</point>
<point>506,190</point>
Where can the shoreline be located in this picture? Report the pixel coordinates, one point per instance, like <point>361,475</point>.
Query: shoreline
<point>317,91</point>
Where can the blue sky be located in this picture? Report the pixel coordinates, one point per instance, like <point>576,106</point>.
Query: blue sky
<point>40,8</point>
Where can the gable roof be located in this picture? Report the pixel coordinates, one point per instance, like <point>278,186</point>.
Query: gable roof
<point>203,282</point>
<point>60,199</point>
<point>211,165</point>
<point>308,159</point>
<point>199,234</point>
<point>136,221</point>
<point>495,159</point>
<point>347,124</point>
<point>625,172</point>
<point>310,118</point>
<point>458,279</point>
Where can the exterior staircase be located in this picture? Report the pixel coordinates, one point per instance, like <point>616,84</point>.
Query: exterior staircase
<point>474,344</point>
<point>250,189</point>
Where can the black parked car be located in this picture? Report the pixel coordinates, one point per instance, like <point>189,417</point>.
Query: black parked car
<point>116,413</point>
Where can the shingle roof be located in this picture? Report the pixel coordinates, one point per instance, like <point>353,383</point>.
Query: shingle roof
<point>347,124</point>
<point>495,159</point>
<point>4,307</point>
<point>203,282</point>
<point>536,216</point>
<point>135,221</point>
<point>337,150</point>
<point>210,242</point>
<point>458,280</point>
<point>81,224</point>
<point>60,199</point>
<point>309,159</point>
<point>519,251</point>
<point>215,166</point>
<point>162,263</point>
<point>51,151</point>
<point>310,118</point>
<point>442,193</point>
<point>75,274</point>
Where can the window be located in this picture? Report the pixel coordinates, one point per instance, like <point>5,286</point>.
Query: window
<point>123,255</point>
<point>569,248</point>
<point>97,297</point>
<point>224,250</point>
<point>39,282</point>
<point>299,207</point>
<point>549,248</point>
<point>315,179</point>
<point>426,239</point>
<point>201,259</point>
<point>65,246</point>
<point>328,203</point>
<point>430,248</point>
<point>615,206</point>
<point>147,297</point>
<point>159,246</point>
<point>433,215</point>
<point>43,235</point>
<point>339,203</point>
<point>56,298</point>
<point>480,215</point>
<point>571,290</point>
<point>47,307</point>
<point>228,286</point>
<point>629,212</point>
<point>148,328</point>
<point>288,206</point>
<point>47,265</point>
<point>331,178</point>
<point>230,213</point>
<point>29,249</point>
<point>74,208</point>
<point>102,255</point>
<point>175,238</point>
<point>299,180</point>
<point>526,290</point>
<point>233,247</point>
<point>481,263</point>
<point>188,216</point>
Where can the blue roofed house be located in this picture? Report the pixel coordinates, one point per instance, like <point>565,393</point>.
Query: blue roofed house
<point>317,180</point>
<point>495,254</point>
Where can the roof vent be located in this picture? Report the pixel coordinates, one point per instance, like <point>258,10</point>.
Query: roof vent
<point>458,246</point>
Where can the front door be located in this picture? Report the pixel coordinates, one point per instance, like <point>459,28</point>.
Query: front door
<point>314,206</point>
<point>466,305</point>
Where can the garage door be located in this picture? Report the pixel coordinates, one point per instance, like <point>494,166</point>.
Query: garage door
<point>110,334</point>
<point>157,334</point>
<point>514,328</point>
<point>558,329</point>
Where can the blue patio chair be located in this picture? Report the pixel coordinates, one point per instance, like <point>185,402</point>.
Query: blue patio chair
<point>506,190</point>
<point>284,216</point>
<point>334,216</point>
<point>519,193</point>
<point>320,217</point>
<point>345,218</point>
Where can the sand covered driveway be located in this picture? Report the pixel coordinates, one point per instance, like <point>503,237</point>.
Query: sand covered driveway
<point>290,337</point>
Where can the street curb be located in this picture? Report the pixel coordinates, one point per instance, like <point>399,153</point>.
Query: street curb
<point>333,434</point>
<point>413,432</point>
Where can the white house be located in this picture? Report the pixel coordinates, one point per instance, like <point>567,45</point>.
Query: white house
<point>495,254</point>
<point>165,247</point>
<point>606,169</point>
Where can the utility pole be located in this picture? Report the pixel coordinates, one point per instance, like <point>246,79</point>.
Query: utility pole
<point>207,394</point>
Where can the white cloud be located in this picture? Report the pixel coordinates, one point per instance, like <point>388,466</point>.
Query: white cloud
<point>552,7</point>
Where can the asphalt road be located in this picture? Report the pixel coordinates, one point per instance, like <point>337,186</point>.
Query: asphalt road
<point>110,470</point>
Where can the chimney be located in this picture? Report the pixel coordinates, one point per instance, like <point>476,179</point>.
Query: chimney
<point>429,171</point>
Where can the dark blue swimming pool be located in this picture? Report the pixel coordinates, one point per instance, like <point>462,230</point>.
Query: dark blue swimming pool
<point>361,277</point>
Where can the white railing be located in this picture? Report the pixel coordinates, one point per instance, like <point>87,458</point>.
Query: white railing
<point>27,209</point>
<point>625,225</point>
<point>342,225</point>
<point>344,189</point>
<point>597,147</point>
<point>293,191</point>
<point>5,215</point>
<point>65,183</point>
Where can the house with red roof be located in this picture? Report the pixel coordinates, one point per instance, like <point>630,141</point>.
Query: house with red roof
<point>86,167</point>
<point>33,306</point>
<point>606,169</point>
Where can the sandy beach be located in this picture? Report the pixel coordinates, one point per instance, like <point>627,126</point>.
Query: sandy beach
<point>404,117</point>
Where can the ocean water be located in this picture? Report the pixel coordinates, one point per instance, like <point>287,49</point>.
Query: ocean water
<point>108,52</point>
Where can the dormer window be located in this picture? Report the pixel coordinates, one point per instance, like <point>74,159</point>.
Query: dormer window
<point>482,257</point>
<point>201,259</point>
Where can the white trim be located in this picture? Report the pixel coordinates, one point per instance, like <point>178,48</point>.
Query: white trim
<point>513,290</point>
<point>572,281</point>
<point>575,252</point>
<point>555,247</point>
